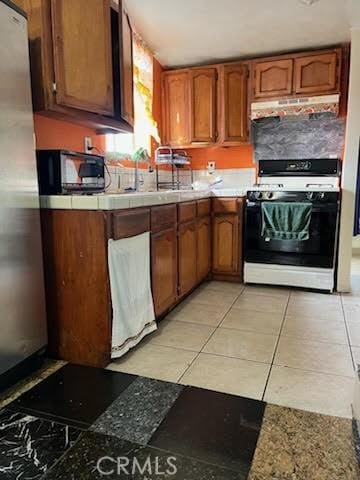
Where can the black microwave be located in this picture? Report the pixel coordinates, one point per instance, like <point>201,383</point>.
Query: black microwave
<point>62,172</point>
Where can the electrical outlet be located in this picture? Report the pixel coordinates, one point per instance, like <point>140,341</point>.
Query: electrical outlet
<point>211,167</point>
<point>88,144</point>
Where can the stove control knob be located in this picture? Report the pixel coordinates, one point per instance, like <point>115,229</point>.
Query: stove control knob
<point>310,195</point>
<point>321,196</point>
<point>258,195</point>
<point>269,195</point>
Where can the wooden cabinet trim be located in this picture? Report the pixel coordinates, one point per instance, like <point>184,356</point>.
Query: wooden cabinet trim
<point>63,97</point>
<point>163,217</point>
<point>203,207</point>
<point>187,211</point>
<point>225,205</point>
<point>128,223</point>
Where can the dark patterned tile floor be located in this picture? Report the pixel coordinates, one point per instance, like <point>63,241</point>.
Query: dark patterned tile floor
<point>73,395</point>
<point>150,429</point>
<point>138,412</point>
<point>214,427</point>
<point>97,456</point>
<point>29,446</point>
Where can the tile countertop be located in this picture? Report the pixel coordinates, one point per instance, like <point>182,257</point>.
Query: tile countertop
<point>113,201</point>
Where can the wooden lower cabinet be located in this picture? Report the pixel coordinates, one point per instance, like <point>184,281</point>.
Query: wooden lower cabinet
<point>203,247</point>
<point>75,248</point>
<point>164,269</point>
<point>226,244</point>
<point>77,285</point>
<point>187,257</point>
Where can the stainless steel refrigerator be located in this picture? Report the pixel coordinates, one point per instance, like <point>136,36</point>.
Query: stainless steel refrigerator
<point>23,333</point>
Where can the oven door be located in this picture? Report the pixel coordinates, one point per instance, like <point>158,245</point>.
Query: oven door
<point>317,251</point>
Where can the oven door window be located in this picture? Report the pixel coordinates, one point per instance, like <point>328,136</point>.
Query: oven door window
<point>317,251</point>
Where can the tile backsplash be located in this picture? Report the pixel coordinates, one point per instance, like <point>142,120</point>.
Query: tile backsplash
<point>124,177</point>
<point>314,136</point>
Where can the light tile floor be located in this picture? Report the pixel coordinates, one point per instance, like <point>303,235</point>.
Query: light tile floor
<point>286,346</point>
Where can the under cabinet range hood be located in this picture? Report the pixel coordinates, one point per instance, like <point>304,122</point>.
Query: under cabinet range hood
<point>296,106</point>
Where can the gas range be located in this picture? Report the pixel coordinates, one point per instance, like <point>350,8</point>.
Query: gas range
<point>306,263</point>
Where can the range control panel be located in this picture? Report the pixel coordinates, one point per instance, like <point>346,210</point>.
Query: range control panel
<point>298,166</point>
<point>318,167</point>
<point>287,196</point>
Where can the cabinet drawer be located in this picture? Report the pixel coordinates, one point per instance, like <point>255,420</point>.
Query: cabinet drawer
<point>203,207</point>
<point>129,223</point>
<point>163,217</point>
<point>187,211</point>
<point>226,205</point>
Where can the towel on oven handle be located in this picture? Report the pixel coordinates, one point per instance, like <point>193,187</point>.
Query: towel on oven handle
<point>286,220</point>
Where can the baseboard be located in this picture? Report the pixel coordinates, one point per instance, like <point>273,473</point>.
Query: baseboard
<point>227,278</point>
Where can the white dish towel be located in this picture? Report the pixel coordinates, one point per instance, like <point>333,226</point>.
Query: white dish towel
<point>130,285</point>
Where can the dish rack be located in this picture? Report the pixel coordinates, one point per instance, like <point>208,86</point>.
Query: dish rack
<point>176,173</point>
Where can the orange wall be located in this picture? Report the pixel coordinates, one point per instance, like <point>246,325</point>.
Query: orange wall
<point>224,157</point>
<point>55,134</point>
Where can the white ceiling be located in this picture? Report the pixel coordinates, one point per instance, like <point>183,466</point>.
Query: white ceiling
<point>186,32</point>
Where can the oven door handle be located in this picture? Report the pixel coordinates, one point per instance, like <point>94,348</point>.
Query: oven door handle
<point>325,208</point>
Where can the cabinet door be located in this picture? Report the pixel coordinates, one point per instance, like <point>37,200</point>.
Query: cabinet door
<point>317,73</point>
<point>203,239</point>
<point>226,244</point>
<point>203,104</point>
<point>176,105</point>
<point>187,257</point>
<point>126,67</point>
<point>234,81</point>
<point>164,269</point>
<point>82,54</point>
<point>273,78</point>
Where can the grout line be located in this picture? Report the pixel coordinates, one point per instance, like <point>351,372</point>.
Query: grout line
<point>207,341</point>
<point>347,333</point>
<point>329,374</point>
<point>58,460</point>
<point>276,346</point>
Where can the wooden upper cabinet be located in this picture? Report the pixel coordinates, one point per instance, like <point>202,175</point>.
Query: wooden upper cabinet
<point>176,107</point>
<point>273,78</point>
<point>83,54</point>
<point>126,67</point>
<point>316,74</point>
<point>234,98</point>
<point>203,104</point>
